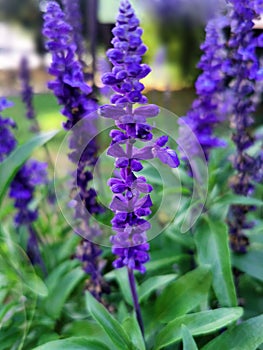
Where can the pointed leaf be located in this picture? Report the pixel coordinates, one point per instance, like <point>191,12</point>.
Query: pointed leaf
<point>184,294</point>
<point>198,323</point>
<point>188,340</point>
<point>213,249</point>
<point>111,326</point>
<point>154,283</point>
<point>246,336</point>
<point>132,328</point>
<point>250,263</point>
<point>58,296</point>
<point>76,343</point>
<point>13,163</point>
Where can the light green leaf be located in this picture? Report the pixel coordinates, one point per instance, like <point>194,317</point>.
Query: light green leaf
<point>230,199</point>
<point>246,336</point>
<point>132,328</point>
<point>250,263</point>
<point>12,164</point>
<point>198,323</point>
<point>213,249</point>
<point>152,284</point>
<point>74,343</point>
<point>184,294</point>
<point>188,340</point>
<point>110,325</point>
<point>58,296</point>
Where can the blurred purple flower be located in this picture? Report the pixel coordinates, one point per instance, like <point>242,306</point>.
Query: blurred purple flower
<point>26,89</point>
<point>7,140</point>
<point>244,70</point>
<point>213,103</point>
<point>74,18</point>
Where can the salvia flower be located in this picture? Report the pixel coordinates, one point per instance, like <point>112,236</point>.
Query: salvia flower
<point>7,139</point>
<point>22,190</point>
<point>74,94</point>
<point>131,201</point>
<point>212,104</point>
<point>73,17</point>
<point>26,89</point>
<point>245,70</point>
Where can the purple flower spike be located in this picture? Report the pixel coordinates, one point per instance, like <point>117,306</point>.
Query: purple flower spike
<point>73,16</point>
<point>7,139</point>
<point>22,189</point>
<point>126,57</point>
<point>131,201</point>
<point>26,89</point>
<point>75,95</point>
<point>244,71</point>
<point>212,104</point>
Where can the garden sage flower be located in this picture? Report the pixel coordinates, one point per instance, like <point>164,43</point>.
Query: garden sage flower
<point>26,89</point>
<point>131,201</point>
<point>245,71</point>
<point>76,97</point>
<point>212,105</point>
<point>7,139</point>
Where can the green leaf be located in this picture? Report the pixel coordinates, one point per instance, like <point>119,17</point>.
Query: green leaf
<point>250,263</point>
<point>123,282</point>
<point>188,340</point>
<point>132,328</point>
<point>34,283</point>
<point>74,343</point>
<point>163,262</point>
<point>230,199</point>
<point>58,296</point>
<point>12,164</point>
<point>152,284</point>
<point>111,326</point>
<point>198,323</point>
<point>184,294</point>
<point>246,336</point>
<point>213,249</point>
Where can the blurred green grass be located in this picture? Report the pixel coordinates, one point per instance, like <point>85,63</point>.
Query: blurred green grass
<point>47,112</point>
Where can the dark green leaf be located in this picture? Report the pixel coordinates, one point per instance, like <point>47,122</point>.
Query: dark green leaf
<point>12,164</point>
<point>246,336</point>
<point>111,326</point>
<point>199,323</point>
<point>213,249</point>
<point>184,294</point>
<point>188,340</point>
<point>58,296</point>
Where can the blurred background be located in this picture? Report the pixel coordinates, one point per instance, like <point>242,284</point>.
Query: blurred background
<point>173,32</point>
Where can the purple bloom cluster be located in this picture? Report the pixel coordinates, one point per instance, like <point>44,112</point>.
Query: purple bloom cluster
<point>69,86</point>
<point>22,189</point>
<point>26,89</point>
<point>7,139</point>
<point>126,57</point>
<point>245,70</point>
<point>73,17</point>
<point>212,104</point>
<point>131,193</point>
<point>74,94</point>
